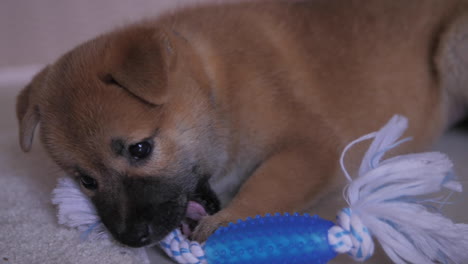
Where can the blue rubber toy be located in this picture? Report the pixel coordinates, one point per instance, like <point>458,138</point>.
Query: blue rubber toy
<point>272,239</point>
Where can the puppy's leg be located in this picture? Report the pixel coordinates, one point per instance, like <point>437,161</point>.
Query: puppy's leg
<point>287,182</point>
<point>452,65</point>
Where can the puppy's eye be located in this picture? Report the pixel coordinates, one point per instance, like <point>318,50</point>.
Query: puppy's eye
<point>140,150</point>
<point>88,182</point>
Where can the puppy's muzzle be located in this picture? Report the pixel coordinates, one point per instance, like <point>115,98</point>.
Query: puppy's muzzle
<point>144,211</point>
<point>137,236</point>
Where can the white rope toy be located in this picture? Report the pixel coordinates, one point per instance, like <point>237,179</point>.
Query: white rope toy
<point>384,202</point>
<point>384,199</point>
<point>182,250</point>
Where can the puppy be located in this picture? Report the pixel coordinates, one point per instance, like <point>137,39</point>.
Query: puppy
<point>163,120</point>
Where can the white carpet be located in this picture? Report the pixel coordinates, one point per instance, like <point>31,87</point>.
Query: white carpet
<point>28,228</point>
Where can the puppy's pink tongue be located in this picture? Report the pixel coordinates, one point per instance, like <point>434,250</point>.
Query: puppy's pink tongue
<point>195,211</point>
<point>184,227</point>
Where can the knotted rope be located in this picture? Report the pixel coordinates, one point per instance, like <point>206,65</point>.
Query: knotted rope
<point>351,236</point>
<point>182,250</point>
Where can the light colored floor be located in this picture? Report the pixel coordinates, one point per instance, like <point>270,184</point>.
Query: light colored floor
<point>28,229</point>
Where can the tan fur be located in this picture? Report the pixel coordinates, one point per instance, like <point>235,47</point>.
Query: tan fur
<point>264,95</point>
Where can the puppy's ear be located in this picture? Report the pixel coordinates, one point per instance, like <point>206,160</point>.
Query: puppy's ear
<point>27,111</point>
<point>145,56</point>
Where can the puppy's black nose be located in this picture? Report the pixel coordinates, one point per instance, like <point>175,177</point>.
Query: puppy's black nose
<point>136,236</point>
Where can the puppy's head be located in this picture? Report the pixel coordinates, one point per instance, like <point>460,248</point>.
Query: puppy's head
<point>128,115</point>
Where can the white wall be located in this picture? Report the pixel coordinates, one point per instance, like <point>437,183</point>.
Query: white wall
<point>35,32</point>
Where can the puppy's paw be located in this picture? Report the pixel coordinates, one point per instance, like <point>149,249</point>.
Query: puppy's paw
<point>208,225</point>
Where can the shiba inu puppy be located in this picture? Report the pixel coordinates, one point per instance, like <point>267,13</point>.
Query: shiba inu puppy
<point>162,120</point>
